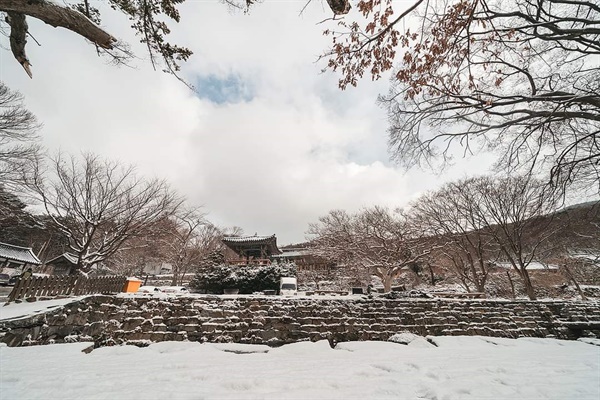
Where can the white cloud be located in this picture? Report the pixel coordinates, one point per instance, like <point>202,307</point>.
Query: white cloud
<point>271,161</point>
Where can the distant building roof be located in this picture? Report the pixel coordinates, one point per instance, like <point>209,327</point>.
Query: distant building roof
<point>236,241</point>
<point>248,239</point>
<point>293,253</point>
<point>69,257</point>
<point>19,254</point>
<point>533,265</point>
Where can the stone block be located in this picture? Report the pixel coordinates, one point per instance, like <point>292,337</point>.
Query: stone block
<point>209,327</point>
<point>267,334</point>
<point>76,319</point>
<point>94,329</point>
<point>130,324</point>
<point>192,328</point>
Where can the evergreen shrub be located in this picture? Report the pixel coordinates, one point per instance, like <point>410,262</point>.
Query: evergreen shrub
<point>248,279</point>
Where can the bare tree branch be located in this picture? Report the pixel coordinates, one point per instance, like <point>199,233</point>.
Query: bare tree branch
<point>519,78</point>
<point>99,205</point>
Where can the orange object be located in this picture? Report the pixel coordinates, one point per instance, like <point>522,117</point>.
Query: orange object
<point>132,285</point>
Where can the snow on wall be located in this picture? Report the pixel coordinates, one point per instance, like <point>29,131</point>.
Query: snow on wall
<point>108,320</point>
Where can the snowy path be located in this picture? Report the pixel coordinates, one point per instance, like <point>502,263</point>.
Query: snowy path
<point>460,368</point>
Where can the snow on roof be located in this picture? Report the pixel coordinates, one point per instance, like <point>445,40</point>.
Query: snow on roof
<point>590,256</point>
<point>295,253</point>
<point>270,241</point>
<point>70,257</point>
<point>18,254</point>
<point>534,265</point>
<point>248,239</point>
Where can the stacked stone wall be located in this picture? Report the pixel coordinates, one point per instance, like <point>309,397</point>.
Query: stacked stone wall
<point>108,320</point>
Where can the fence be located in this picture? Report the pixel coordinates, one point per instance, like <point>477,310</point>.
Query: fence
<point>50,286</point>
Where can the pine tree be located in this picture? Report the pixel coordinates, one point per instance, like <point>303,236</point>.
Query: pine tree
<point>16,223</point>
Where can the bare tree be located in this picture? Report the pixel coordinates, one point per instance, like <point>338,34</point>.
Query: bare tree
<point>134,256</point>
<point>18,127</point>
<point>16,223</point>
<point>374,239</point>
<point>99,205</point>
<point>188,241</point>
<point>519,77</point>
<point>450,216</point>
<point>575,244</point>
<point>518,211</point>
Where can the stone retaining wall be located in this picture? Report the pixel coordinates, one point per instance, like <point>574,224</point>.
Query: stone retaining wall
<point>108,320</point>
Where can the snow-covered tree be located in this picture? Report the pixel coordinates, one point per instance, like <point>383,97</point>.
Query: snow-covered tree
<point>375,239</point>
<point>18,138</point>
<point>15,221</point>
<point>450,217</point>
<point>515,212</point>
<point>187,240</point>
<point>99,205</point>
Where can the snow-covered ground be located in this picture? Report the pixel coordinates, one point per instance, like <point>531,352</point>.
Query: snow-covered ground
<point>24,309</point>
<point>459,368</point>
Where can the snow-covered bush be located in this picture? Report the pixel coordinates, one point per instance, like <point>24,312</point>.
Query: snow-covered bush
<point>215,279</point>
<point>248,279</point>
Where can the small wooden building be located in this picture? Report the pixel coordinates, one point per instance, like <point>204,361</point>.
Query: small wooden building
<point>65,264</point>
<point>17,257</point>
<point>305,259</point>
<point>242,250</point>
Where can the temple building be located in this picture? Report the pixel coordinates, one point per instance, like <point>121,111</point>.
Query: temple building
<point>304,258</point>
<point>17,258</point>
<point>243,250</point>
<point>65,264</point>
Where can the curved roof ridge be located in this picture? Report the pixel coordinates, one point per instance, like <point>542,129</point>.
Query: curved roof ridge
<point>18,253</point>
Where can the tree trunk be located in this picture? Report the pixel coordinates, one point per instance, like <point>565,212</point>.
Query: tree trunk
<point>466,285</point>
<point>480,286</point>
<point>387,283</point>
<point>431,274</point>
<point>572,278</point>
<point>175,273</point>
<point>473,271</point>
<point>512,285</point>
<point>484,274</point>
<point>528,284</point>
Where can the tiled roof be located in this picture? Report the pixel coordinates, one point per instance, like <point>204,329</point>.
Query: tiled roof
<point>247,239</point>
<point>295,253</point>
<point>72,258</point>
<point>18,253</point>
<point>236,241</point>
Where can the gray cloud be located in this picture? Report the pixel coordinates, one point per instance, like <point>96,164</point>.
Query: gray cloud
<point>269,143</point>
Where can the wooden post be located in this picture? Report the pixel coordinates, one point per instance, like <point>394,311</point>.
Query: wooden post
<point>78,283</point>
<point>14,294</point>
<point>72,280</point>
<point>65,285</point>
<point>39,287</point>
<point>49,289</point>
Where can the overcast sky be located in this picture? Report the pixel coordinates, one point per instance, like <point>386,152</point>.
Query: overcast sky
<point>269,143</point>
